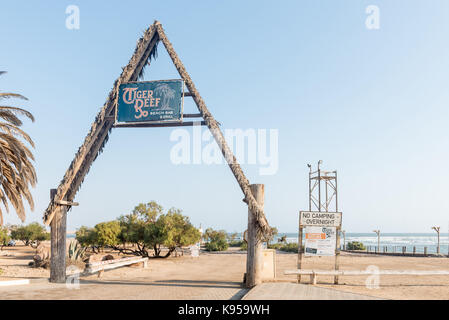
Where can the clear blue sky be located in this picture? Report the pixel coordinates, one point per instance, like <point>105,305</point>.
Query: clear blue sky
<point>372,104</point>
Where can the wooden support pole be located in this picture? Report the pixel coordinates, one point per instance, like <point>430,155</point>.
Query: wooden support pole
<point>300,251</point>
<point>58,243</point>
<point>337,255</point>
<point>254,253</point>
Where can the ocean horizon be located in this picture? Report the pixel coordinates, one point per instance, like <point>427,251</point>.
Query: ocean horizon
<point>393,241</point>
<point>390,240</point>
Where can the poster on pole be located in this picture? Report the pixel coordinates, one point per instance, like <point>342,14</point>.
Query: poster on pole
<point>150,102</point>
<point>320,241</point>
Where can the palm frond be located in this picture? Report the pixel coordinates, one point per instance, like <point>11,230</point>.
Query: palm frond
<point>18,111</point>
<point>17,172</point>
<point>7,95</point>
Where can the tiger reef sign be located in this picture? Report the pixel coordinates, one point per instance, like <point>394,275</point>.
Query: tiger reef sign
<point>150,101</point>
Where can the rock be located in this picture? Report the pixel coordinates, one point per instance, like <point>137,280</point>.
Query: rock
<point>44,251</point>
<point>108,257</point>
<point>42,256</point>
<point>99,257</point>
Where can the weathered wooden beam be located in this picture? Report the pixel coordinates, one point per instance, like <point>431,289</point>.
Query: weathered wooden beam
<point>300,250</point>
<point>158,125</point>
<point>113,264</point>
<point>90,158</point>
<point>365,272</point>
<point>254,260</point>
<point>192,115</point>
<point>337,254</point>
<point>66,203</point>
<point>58,236</point>
<point>214,128</point>
<point>185,115</point>
<point>77,169</point>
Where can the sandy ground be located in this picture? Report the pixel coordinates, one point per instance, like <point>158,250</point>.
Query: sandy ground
<point>219,276</point>
<point>14,264</point>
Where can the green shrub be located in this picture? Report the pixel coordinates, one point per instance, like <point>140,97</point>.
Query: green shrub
<point>216,240</point>
<point>146,228</point>
<point>87,238</point>
<point>355,245</point>
<point>107,233</point>
<point>4,237</point>
<point>236,243</point>
<point>172,230</point>
<point>286,247</point>
<point>289,247</point>
<point>244,246</point>
<point>217,245</point>
<point>276,246</point>
<point>31,234</point>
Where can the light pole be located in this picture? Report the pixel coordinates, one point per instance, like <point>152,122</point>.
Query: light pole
<point>378,239</point>
<point>437,229</point>
<point>344,239</point>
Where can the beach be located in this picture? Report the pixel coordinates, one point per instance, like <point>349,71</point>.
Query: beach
<point>220,275</point>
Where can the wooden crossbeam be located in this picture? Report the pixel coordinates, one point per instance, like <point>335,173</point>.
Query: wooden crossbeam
<point>367,272</point>
<point>113,264</point>
<point>192,115</point>
<point>159,125</point>
<point>66,203</point>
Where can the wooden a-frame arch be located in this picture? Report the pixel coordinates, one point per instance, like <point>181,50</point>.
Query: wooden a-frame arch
<point>62,197</point>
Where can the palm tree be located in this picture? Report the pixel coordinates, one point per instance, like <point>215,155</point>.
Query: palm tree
<point>16,170</point>
<point>167,94</point>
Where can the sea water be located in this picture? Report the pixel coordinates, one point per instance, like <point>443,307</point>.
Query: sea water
<point>393,241</point>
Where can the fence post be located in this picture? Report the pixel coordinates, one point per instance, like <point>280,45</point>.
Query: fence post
<point>425,251</point>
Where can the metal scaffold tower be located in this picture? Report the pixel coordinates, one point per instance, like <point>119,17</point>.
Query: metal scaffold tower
<point>323,192</point>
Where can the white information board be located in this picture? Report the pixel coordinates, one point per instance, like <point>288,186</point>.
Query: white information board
<point>320,241</point>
